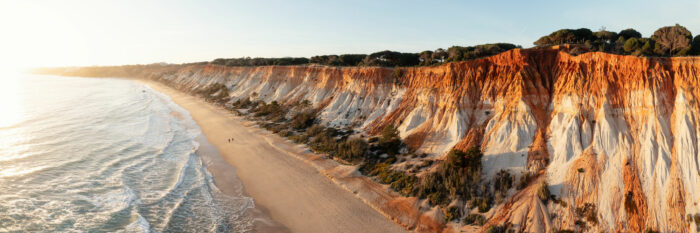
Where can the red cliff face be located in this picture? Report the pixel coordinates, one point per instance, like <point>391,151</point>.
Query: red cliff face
<point>616,132</point>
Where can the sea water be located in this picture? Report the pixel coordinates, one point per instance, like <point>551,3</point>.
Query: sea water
<point>104,155</point>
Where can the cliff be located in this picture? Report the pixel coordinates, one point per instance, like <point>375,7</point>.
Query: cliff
<point>619,133</point>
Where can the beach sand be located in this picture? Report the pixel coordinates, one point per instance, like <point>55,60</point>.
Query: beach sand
<point>290,190</point>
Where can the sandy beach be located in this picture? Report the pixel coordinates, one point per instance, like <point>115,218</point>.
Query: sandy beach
<point>290,190</point>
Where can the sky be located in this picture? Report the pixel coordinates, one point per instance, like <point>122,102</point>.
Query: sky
<point>81,33</point>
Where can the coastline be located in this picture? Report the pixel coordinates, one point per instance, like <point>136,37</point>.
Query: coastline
<point>299,190</point>
<point>226,180</point>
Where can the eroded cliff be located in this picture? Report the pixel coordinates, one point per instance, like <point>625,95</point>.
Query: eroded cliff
<point>619,133</point>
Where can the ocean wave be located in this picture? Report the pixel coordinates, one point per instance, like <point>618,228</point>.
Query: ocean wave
<point>193,129</point>
<point>116,200</point>
<point>110,155</point>
<point>140,225</point>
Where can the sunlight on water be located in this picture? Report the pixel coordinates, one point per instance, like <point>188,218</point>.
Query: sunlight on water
<point>10,102</point>
<point>104,155</point>
<point>16,171</point>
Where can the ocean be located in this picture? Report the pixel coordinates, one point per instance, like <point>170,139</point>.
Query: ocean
<point>105,155</point>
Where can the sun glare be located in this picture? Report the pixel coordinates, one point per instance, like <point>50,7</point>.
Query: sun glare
<point>11,109</point>
<point>37,36</point>
<point>34,36</point>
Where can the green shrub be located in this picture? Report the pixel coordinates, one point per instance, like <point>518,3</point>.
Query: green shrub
<point>589,212</point>
<point>323,142</point>
<point>299,138</point>
<point>631,45</point>
<point>437,198</point>
<point>276,128</point>
<point>376,169</point>
<point>524,180</point>
<point>242,103</point>
<point>459,176</point>
<point>481,203</point>
<point>695,46</point>
<point>543,191</point>
<point>629,33</point>
<point>303,120</point>
<point>405,184</point>
<point>566,36</point>
<point>314,130</point>
<point>285,133</point>
<point>353,149</point>
<point>474,219</point>
<point>496,229</point>
<point>451,213</point>
<point>219,89</point>
<point>503,181</point>
<point>399,181</point>
<point>390,140</point>
<point>272,111</point>
<point>604,35</point>
<point>648,47</point>
<point>483,206</point>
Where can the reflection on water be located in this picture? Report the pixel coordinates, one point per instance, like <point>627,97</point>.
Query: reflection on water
<point>10,99</point>
<point>82,154</point>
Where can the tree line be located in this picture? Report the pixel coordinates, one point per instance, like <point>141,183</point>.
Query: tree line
<point>384,58</point>
<point>259,61</point>
<point>666,41</point>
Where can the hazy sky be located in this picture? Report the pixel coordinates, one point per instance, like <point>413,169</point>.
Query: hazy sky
<point>69,32</point>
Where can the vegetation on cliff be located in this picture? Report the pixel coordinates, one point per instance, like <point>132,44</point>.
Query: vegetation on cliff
<point>458,178</point>
<point>384,58</point>
<point>584,75</point>
<point>258,61</point>
<point>666,41</point>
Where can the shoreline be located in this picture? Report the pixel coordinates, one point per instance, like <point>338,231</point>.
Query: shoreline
<point>299,190</point>
<point>225,178</point>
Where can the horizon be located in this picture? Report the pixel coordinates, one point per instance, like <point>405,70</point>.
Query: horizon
<point>51,34</point>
